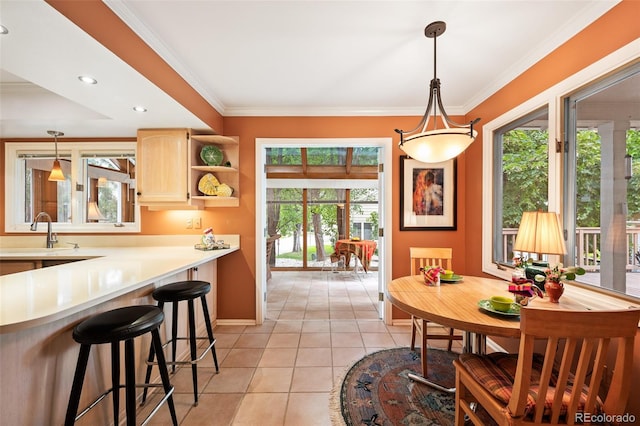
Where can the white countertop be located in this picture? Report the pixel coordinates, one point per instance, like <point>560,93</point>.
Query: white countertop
<point>42,295</point>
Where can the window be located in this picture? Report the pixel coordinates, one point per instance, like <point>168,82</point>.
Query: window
<point>521,178</point>
<point>97,195</point>
<point>591,172</point>
<point>603,193</point>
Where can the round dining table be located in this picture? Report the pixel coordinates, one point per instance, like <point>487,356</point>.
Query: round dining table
<point>456,305</point>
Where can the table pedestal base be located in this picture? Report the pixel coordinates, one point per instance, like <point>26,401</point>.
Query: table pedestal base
<point>418,378</point>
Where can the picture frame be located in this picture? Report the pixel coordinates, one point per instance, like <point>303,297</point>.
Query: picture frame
<point>428,193</point>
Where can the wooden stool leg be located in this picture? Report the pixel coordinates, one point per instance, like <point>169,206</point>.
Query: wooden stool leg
<point>192,346</point>
<point>76,388</point>
<point>207,322</point>
<point>147,377</point>
<point>174,335</point>
<point>164,373</point>
<point>115,380</point>
<point>130,382</point>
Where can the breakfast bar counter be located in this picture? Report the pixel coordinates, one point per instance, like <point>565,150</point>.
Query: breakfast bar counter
<point>43,295</point>
<point>39,309</point>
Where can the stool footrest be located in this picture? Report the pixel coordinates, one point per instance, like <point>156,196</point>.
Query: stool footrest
<point>159,404</point>
<point>122,386</point>
<point>194,361</point>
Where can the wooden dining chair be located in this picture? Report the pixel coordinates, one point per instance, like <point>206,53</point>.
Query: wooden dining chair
<point>583,350</point>
<point>423,257</point>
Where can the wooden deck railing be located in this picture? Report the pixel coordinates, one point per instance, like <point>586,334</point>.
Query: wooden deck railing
<point>588,241</point>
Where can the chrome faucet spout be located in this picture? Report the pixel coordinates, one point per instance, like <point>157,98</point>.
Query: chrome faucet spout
<point>51,239</point>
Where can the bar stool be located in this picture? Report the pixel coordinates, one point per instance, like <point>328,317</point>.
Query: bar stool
<point>114,326</point>
<point>174,293</point>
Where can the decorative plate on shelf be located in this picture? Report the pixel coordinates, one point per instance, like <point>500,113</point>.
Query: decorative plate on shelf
<point>514,310</point>
<point>208,184</point>
<point>211,155</point>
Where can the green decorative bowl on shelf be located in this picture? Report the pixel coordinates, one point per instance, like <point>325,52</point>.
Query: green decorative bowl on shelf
<point>211,155</point>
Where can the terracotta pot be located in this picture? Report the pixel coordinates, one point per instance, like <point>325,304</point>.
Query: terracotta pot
<point>554,290</point>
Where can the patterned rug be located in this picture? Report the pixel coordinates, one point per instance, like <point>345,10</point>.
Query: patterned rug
<point>377,391</point>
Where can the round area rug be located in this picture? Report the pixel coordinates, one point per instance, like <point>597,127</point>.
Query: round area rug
<point>377,391</point>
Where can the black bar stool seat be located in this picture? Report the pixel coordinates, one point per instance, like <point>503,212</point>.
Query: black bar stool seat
<point>177,292</point>
<point>115,326</point>
<point>183,290</point>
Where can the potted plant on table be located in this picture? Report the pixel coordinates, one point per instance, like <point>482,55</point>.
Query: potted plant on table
<point>553,279</point>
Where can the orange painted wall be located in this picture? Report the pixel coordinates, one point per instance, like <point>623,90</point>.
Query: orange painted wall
<point>236,289</point>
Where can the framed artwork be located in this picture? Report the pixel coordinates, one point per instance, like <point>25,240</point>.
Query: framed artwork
<point>427,195</point>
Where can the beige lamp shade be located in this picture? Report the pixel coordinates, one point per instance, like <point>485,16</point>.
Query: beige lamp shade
<point>540,232</point>
<point>438,145</point>
<point>56,172</point>
<point>93,212</point>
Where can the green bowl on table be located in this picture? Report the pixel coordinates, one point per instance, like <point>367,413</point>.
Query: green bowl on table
<point>501,303</point>
<point>447,274</point>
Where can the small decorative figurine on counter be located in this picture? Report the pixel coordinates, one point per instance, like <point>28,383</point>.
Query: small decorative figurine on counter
<point>208,238</point>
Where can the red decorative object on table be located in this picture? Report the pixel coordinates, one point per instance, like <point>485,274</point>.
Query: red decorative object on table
<point>432,275</point>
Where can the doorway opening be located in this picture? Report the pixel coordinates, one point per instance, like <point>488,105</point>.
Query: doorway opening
<point>314,194</point>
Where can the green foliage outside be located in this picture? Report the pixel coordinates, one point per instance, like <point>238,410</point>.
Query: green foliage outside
<point>285,217</point>
<point>525,176</point>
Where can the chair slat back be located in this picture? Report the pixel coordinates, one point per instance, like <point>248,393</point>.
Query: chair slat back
<point>430,256</point>
<point>577,348</point>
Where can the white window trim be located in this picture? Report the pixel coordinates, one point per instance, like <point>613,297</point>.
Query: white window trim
<point>13,221</point>
<point>553,98</point>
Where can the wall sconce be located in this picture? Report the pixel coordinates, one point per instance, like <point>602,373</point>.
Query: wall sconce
<point>628,166</point>
<point>102,182</point>
<point>56,170</point>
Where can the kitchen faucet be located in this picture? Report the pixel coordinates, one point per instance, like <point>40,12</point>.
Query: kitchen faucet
<point>51,238</point>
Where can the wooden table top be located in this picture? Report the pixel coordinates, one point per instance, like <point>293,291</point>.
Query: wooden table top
<point>456,304</point>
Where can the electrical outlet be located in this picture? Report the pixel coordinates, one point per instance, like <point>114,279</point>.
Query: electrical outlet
<point>197,222</point>
<point>189,223</point>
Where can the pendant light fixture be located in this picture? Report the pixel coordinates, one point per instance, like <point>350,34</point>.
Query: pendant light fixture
<point>56,171</point>
<point>436,145</point>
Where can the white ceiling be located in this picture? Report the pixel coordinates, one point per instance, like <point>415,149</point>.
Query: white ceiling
<point>295,57</point>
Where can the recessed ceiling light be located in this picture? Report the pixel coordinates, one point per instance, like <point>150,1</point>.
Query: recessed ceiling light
<point>87,80</point>
<point>4,30</point>
<point>139,109</point>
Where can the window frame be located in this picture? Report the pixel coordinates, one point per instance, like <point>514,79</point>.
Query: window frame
<point>552,97</point>
<point>76,151</point>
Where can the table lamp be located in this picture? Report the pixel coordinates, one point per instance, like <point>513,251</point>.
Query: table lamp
<point>540,233</point>
<point>93,212</point>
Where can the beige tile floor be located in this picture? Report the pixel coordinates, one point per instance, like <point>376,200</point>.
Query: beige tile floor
<point>282,372</point>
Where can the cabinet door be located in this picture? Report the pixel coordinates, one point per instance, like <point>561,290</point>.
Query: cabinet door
<point>162,170</point>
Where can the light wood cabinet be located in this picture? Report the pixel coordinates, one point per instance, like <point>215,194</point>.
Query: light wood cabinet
<point>162,169</point>
<point>170,168</point>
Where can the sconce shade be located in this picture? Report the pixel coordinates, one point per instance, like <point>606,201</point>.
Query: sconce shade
<point>93,212</point>
<point>56,172</point>
<point>540,232</point>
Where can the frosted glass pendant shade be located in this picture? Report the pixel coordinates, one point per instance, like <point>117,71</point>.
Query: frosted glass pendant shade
<point>435,146</point>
